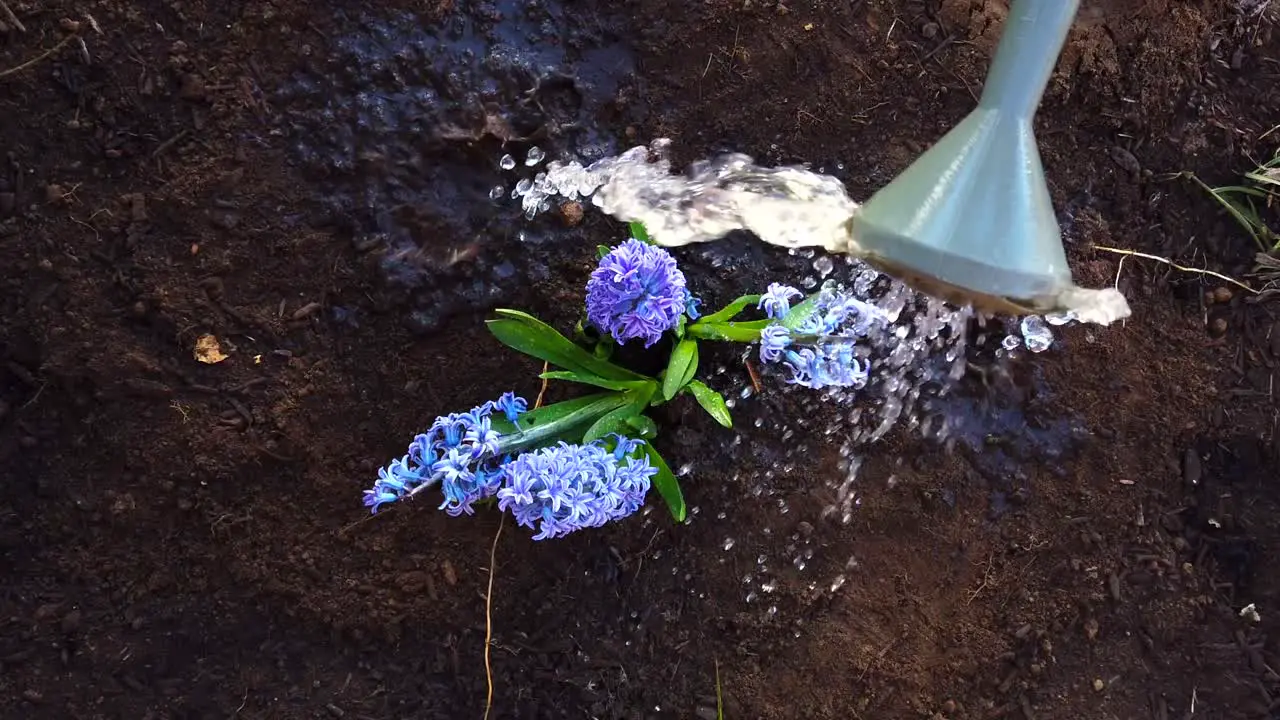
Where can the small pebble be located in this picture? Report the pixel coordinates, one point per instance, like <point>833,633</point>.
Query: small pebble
<point>1218,326</point>
<point>572,213</point>
<point>1098,685</point>
<point>1222,295</point>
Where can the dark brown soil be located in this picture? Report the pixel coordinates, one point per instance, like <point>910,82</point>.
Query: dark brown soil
<point>185,540</point>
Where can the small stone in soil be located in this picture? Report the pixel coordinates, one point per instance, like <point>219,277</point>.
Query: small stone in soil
<point>572,213</point>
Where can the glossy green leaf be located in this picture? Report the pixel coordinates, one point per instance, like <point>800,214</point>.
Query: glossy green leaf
<point>681,368</point>
<point>644,426</point>
<point>743,332</point>
<point>638,232</point>
<point>602,250</point>
<point>712,402</point>
<point>667,484</point>
<point>587,379</point>
<point>616,420</point>
<point>560,421</point>
<point>798,314</point>
<point>731,310</point>
<point>529,335</point>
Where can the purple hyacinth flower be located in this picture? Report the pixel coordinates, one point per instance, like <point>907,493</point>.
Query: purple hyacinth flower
<point>819,352</point>
<point>773,340</point>
<point>459,452</point>
<point>776,301</point>
<point>565,488</point>
<point>636,292</point>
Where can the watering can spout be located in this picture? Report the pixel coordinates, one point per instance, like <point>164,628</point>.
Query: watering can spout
<point>971,219</point>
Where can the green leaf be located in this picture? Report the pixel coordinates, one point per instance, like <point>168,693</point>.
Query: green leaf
<point>712,402</point>
<point>588,379</point>
<point>529,335</point>
<point>638,232</point>
<point>731,310</point>
<point>616,421</point>
<point>681,324</point>
<point>602,250</point>
<point>743,332</point>
<point>613,423</point>
<point>681,368</point>
<point>667,485</point>
<point>798,314</point>
<point>560,421</point>
<point>644,426</point>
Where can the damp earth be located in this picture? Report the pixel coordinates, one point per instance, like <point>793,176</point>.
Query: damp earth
<point>333,196</point>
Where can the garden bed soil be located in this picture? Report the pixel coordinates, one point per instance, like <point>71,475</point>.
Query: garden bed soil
<point>181,539</point>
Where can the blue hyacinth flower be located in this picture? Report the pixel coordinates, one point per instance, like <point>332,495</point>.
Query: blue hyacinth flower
<point>564,488</point>
<point>636,292</point>
<point>820,350</point>
<point>459,452</point>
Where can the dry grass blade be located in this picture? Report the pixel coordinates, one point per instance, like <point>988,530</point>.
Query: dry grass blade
<point>33,61</point>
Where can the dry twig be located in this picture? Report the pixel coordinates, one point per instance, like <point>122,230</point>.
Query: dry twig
<point>13,19</point>
<point>488,618</point>
<point>61,44</point>
<point>493,561</point>
<point>1175,266</point>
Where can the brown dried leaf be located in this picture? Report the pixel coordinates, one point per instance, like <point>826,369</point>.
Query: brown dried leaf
<point>208,350</point>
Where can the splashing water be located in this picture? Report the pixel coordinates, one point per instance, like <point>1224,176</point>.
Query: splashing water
<point>789,207</point>
<point>916,357</point>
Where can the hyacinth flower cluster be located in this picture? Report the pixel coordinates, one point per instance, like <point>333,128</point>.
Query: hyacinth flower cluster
<point>817,347</point>
<point>637,293</point>
<point>459,452</point>
<point>564,488</point>
<point>555,490</point>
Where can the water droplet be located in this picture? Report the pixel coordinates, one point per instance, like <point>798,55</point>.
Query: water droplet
<point>535,156</point>
<point>824,265</point>
<point>507,162</point>
<point>1060,318</point>
<point>1011,342</point>
<point>728,544</point>
<point>1036,334</point>
<point>837,583</point>
<point>497,192</point>
<point>523,187</point>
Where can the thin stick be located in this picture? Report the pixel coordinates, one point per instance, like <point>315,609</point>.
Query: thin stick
<point>4,7</point>
<point>538,403</point>
<point>61,44</point>
<point>1175,266</point>
<point>493,561</point>
<point>488,617</point>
